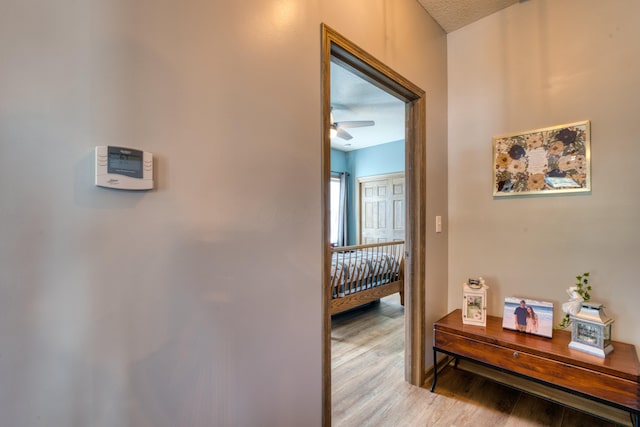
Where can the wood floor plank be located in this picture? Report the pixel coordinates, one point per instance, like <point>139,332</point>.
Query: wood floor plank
<point>368,387</point>
<point>531,411</point>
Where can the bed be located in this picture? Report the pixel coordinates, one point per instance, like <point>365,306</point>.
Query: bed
<point>364,273</point>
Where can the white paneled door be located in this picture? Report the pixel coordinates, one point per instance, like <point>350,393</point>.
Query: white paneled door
<point>382,208</point>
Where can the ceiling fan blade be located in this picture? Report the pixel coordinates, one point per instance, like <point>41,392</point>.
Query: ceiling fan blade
<point>342,107</point>
<point>343,134</point>
<point>355,123</point>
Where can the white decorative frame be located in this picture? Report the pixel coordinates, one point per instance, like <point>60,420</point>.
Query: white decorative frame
<point>474,306</point>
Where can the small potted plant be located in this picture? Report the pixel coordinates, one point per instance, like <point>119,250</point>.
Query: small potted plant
<point>578,294</point>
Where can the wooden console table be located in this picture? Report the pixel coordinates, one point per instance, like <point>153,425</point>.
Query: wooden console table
<point>613,381</point>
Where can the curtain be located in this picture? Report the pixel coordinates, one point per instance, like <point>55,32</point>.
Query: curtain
<point>343,215</point>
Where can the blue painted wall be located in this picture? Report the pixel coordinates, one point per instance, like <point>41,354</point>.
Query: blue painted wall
<point>377,160</point>
<point>381,159</point>
<point>338,161</point>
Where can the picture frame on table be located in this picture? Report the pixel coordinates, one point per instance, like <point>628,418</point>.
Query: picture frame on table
<point>528,316</point>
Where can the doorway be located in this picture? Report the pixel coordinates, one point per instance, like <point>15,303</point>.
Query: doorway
<point>338,49</point>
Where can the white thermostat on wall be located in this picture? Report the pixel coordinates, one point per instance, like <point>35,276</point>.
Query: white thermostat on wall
<point>123,168</point>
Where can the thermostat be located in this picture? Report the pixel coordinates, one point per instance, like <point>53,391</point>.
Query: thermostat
<point>123,168</point>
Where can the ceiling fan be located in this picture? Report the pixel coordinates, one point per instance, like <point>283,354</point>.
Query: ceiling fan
<point>337,129</point>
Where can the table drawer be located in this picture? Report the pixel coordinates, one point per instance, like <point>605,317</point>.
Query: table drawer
<point>596,384</point>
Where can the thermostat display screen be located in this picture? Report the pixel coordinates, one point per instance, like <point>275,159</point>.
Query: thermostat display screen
<point>125,161</point>
<point>124,168</point>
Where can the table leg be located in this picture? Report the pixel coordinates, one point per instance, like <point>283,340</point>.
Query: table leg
<point>435,371</point>
<point>635,419</point>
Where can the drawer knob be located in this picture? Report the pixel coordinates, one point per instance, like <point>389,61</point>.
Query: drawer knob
<point>516,355</point>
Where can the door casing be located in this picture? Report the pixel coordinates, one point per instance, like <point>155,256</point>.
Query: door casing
<point>337,48</point>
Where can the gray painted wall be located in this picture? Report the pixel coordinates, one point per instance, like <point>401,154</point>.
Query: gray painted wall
<point>197,303</point>
<point>533,65</point>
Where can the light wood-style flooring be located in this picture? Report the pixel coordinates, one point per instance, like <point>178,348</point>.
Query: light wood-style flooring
<point>368,387</point>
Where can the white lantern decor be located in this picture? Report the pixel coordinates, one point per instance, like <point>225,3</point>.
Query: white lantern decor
<point>591,330</point>
<point>474,302</point>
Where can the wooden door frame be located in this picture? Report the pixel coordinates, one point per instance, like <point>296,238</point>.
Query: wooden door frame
<point>366,66</point>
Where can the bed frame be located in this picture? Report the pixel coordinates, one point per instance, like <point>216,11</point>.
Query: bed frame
<point>362,274</point>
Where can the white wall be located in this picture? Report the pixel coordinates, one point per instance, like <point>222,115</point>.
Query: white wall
<point>198,303</point>
<point>538,64</point>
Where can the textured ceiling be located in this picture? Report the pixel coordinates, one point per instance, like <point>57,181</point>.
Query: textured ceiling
<point>454,14</point>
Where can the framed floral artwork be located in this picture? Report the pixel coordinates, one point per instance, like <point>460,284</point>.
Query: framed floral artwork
<point>543,161</point>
